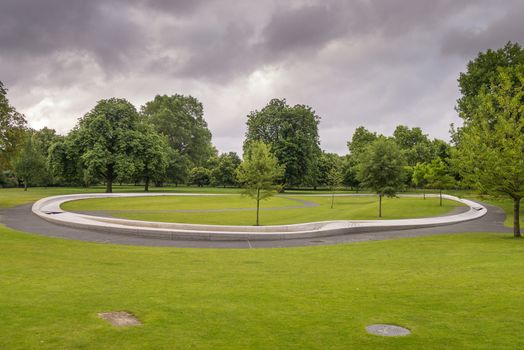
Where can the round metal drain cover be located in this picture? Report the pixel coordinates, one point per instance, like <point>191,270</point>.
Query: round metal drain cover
<point>387,330</point>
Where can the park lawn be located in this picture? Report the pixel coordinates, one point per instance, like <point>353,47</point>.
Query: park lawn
<point>345,208</point>
<point>453,291</point>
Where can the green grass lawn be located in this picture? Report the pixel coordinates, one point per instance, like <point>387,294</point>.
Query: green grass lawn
<point>356,208</point>
<point>453,291</point>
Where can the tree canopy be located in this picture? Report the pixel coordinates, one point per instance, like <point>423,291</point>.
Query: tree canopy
<point>108,138</point>
<point>13,126</point>
<point>181,119</point>
<point>489,155</point>
<point>381,168</point>
<point>292,133</point>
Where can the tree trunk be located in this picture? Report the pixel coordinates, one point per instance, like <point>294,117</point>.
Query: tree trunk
<point>109,183</point>
<point>25,185</point>
<point>146,186</point>
<point>258,205</point>
<point>332,199</point>
<point>516,217</point>
<point>379,205</point>
<point>440,197</point>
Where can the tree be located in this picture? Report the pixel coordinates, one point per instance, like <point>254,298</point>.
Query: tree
<point>152,156</point>
<point>64,162</point>
<point>181,119</point>
<point>414,144</point>
<point>437,176</point>
<point>381,168</point>
<point>199,176</point>
<point>224,173</point>
<point>258,173</point>
<point>334,179</point>
<point>490,153</point>
<point>418,176</point>
<point>178,167</point>
<point>30,165</point>
<point>291,133</point>
<point>323,165</point>
<point>361,138</point>
<point>107,138</point>
<point>482,72</point>
<point>13,126</point>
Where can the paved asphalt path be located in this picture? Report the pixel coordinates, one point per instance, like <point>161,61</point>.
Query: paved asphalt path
<point>21,218</point>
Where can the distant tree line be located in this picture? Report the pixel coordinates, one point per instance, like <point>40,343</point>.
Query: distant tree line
<point>167,141</point>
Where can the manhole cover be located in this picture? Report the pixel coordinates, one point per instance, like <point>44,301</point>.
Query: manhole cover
<point>119,318</point>
<point>387,330</point>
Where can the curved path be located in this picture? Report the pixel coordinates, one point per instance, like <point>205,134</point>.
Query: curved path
<point>22,218</point>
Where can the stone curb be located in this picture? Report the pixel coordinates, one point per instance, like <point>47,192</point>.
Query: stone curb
<point>50,209</point>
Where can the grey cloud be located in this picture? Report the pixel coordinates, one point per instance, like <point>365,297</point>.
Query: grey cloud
<point>372,62</point>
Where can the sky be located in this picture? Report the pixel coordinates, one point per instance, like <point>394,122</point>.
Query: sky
<point>376,63</point>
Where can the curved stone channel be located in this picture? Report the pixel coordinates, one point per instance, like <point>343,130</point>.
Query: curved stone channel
<point>50,210</point>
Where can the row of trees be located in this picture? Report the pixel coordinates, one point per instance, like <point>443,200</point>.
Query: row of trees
<point>168,141</point>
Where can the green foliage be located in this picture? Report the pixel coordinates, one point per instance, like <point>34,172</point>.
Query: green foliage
<point>415,145</point>
<point>107,138</point>
<point>152,156</point>
<point>292,133</point>
<point>334,179</point>
<point>381,168</point>
<point>490,153</point>
<point>181,119</point>
<point>224,172</point>
<point>483,72</point>
<point>199,176</point>
<point>13,127</point>
<point>30,165</point>
<point>258,172</point>
<point>418,176</point>
<point>438,175</point>
<point>323,166</point>
<point>361,138</point>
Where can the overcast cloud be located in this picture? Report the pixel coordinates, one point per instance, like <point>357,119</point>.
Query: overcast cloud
<point>377,63</point>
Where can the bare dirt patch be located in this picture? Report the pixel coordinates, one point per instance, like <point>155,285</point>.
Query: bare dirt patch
<point>120,318</point>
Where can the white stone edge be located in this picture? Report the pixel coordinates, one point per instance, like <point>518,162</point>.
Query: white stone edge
<point>49,209</point>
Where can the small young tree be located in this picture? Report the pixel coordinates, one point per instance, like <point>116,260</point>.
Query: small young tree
<point>258,172</point>
<point>437,176</point>
<point>381,168</point>
<point>334,178</point>
<point>30,165</point>
<point>418,177</point>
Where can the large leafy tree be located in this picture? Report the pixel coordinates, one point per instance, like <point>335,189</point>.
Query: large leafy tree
<point>291,133</point>
<point>107,138</point>
<point>490,151</point>
<point>360,139</point>
<point>13,126</point>
<point>381,168</point>
<point>181,119</point>
<point>414,144</point>
<point>30,165</point>
<point>224,172</point>
<point>152,156</point>
<point>481,73</point>
<point>259,172</point>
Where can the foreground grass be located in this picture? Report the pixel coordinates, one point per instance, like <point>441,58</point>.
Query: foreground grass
<point>453,292</point>
<point>356,208</point>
